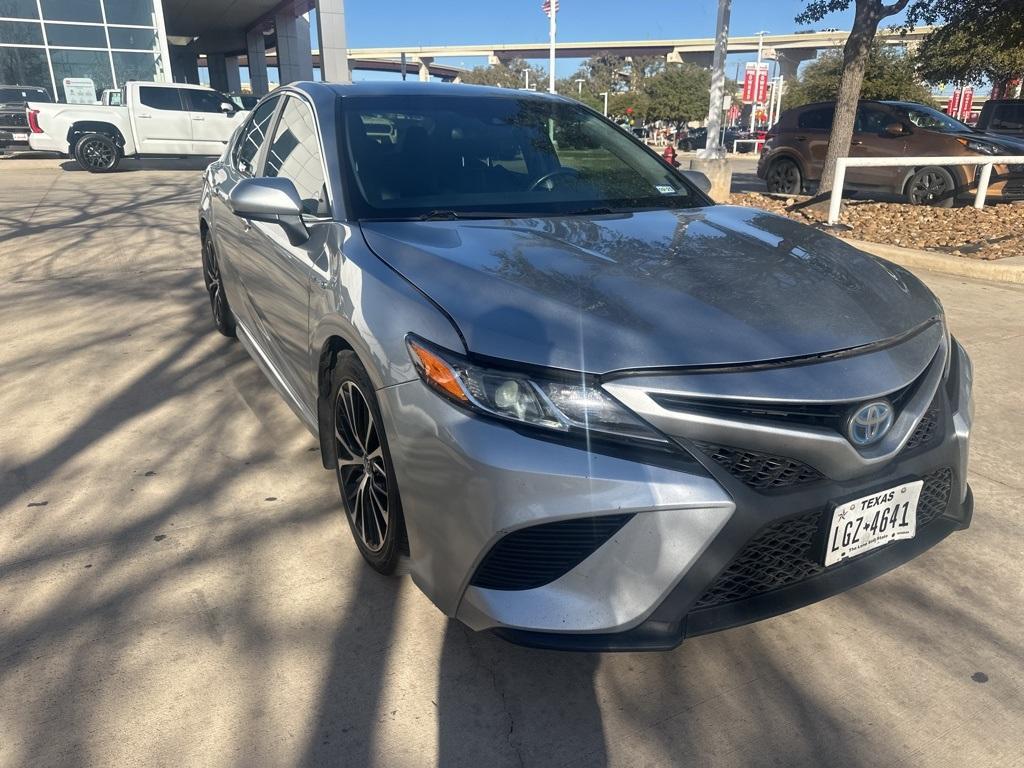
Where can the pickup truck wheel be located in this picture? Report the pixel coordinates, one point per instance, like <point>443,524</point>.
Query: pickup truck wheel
<point>97,153</point>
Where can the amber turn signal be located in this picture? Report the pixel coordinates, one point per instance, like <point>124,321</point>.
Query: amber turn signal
<point>437,372</point>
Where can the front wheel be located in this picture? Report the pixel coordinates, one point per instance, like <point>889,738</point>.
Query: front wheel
<point>784,177</point>
<point>366,476</point>
<point>932,186</point>
<point>223,318</point>
<point>97,153</point>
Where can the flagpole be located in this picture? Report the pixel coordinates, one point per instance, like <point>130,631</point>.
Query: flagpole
<point>552,26</point>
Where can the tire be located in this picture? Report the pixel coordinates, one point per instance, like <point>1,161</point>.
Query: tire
<point>97,153</point>
<point>366,475</point>
<point>223,317</point>
<point>932,186</point>
<point>784,177</point>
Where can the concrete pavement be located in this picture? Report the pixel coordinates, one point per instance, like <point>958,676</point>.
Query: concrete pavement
<point>178,585</point>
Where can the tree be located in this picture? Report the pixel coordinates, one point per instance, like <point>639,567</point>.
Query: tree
<point>680,92</point>
<point>506,74</point>
<point>888,74</point>
<point>982,40</point>
<point>868,14</point>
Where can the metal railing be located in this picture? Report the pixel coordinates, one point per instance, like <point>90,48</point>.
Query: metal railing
<point>755,142</point>
<point>985,161</point>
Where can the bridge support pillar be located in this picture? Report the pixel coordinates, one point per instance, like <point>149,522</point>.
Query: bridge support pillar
<point>256,50</point>
<point>185,63</point>
<point>789,62</point>
<point>330,16</point>
<point>425,62</point>
<point>294,53</point>
<point>216,65</point>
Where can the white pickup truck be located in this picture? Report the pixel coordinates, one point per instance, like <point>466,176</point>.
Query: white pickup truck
<point>155,120</point>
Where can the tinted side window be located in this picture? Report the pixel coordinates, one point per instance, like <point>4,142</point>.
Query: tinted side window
<point>873,120</point>
<point>295,155</point>
<point>251,137</point>
<point>207,101</point>
<point>1008,117</point>
<point>816,119</point>
<point>161,98</point>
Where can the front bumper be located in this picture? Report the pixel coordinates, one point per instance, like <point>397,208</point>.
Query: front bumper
<point>468,483</point>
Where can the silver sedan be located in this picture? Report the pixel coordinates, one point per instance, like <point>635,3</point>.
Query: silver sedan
<point>593,409</point>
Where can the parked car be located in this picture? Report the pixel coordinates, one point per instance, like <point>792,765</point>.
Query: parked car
<point>1003,116</point>
<point>794,154</point>
<point>592,408</point>
<point>14,128</point>
<point>156,120</point>
<point>697,138</point>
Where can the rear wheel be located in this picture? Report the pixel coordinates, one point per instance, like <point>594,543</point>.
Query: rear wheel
<point>784,177</point>
<point>223,317</point>
<point>97,153</point>
<point>366,477</point>
<point>932,186</point>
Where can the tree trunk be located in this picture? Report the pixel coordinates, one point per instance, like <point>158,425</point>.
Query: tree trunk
<point>855,59</point>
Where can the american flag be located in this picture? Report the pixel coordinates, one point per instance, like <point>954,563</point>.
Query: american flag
<point>546,7</point>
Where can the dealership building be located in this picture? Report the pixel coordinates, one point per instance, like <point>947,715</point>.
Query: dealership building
<point>42,42</point>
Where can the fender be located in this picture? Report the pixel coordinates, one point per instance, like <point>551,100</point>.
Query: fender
<point>82,127</point>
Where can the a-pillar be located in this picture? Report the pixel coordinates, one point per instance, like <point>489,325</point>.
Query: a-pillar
<point>294,54</point>
<point>216,65</point>
<point>257,55</point>
<point>425,62</point>
<point>330,17</point>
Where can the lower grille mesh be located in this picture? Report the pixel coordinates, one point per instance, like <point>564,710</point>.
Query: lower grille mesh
<point>535,556</point>
<point>760,471</point>
<point>926,429</point>
<point>783,553</point>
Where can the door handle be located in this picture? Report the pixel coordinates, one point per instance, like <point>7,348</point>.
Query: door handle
<point>198,117</point>
<point>143,117</point>
<point>856,142</point>
<point>801,138</point>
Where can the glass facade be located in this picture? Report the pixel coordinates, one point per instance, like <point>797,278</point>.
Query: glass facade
<point>108,41</point>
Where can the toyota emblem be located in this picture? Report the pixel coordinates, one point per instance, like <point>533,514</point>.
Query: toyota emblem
<point>870,423</point>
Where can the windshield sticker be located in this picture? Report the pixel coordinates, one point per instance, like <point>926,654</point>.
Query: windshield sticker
<point>665,189</point>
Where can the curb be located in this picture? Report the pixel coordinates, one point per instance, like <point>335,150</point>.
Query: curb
<point>1009,270</point>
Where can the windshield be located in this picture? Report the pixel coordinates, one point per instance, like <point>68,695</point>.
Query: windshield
<point>417,156</point>
<point>9,95</point>
<point>932,120</point>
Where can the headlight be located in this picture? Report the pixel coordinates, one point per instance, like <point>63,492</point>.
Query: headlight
<point>571,404</point>
<point>981,147</point>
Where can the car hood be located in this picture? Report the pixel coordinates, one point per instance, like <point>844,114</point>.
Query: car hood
<point>708,286</point>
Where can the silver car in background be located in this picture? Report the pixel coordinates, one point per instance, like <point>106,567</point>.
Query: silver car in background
<point>595,410</point>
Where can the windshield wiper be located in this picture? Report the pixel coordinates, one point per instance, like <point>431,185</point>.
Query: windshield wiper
<point>448,215</point>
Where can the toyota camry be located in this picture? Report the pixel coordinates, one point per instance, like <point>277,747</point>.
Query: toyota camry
<point>590,408</point>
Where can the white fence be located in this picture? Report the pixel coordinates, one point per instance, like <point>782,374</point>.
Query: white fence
<point>986,163</point>
<point>755,142</point>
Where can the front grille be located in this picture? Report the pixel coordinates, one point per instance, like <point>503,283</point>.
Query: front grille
<point>925,430</point>
<point>784,553</point>
<point>535,556</point>
<point>760,471</point>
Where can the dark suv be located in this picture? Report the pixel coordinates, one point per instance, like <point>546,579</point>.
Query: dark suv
<point>794,154</point>
<point>14,128</point>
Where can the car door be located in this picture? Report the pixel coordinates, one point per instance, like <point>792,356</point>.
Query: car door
<point>232,232</point>
<point>212,125</point>
<point>278,274</point>
<point>813,129</point>
<point>162,124</point>
<point>870,139</point>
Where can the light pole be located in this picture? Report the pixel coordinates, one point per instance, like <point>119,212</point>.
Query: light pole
<point>713,147</point>
<point>526,73</point>
<point>579,82</point>
<point>605,95</point>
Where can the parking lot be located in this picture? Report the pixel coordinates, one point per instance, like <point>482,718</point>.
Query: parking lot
<point>178,585</point>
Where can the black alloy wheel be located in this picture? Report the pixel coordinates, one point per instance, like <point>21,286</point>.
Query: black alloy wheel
<point>97,153</point>
<point>365,474</point>
<point>784,178</point>
<point>932,186</point>
<point>223,318</point>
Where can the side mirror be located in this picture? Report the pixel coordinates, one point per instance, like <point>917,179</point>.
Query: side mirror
<point>699,180</point>
<point>227,107</point>
<point>895,129</point>
<point>271,200</point>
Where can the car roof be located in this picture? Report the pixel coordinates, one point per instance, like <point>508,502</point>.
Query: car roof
<point>399,88</point>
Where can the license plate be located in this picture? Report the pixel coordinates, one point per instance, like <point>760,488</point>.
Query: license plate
<point>19,136</point>
<point>863,524</point>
